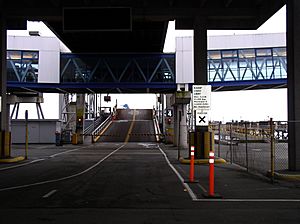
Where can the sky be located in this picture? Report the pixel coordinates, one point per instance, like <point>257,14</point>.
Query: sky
<point>250,105</point>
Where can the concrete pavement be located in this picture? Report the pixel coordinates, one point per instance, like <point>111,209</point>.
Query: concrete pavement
<point>103,183</point>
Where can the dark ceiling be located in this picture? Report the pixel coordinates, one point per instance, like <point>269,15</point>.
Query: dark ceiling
<point>149,20</point>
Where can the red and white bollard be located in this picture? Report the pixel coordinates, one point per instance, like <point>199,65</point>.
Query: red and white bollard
<point>192,170</point>
<point>211,162</point>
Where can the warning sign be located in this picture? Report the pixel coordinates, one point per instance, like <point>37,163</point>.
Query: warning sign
<point>201,97</point>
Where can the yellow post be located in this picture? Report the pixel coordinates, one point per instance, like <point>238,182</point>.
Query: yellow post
<point>208,143</point>
<point>74,139</point>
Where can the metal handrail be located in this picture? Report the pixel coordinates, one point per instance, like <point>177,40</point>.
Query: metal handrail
<point>92,126</point>
<point>156,128</point>
<point>101,127</point>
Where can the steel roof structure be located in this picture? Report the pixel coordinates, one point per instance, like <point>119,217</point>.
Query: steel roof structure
<point>148,18</point>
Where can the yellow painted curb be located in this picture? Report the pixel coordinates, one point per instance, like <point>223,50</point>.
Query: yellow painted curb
<point>291,177</point>
<point>202,161</point>
<point>12,160</point>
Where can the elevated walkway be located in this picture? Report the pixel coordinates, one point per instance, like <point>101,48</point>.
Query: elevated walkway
<point>228,70</point>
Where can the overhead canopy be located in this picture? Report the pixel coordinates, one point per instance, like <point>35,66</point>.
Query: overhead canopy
<point>148,20</point>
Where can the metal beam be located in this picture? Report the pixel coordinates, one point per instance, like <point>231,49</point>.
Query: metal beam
<point>228,3</point>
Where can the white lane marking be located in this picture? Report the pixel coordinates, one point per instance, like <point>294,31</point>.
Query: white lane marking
<point>20,165</point>
<point>139,153</point>
<point>256,150</point>
<point>49,194</point>
<point>246,200</point>
<point>64,152</point>
<point>39,160</point>
<point>63,178</point>
<point>186,186</point>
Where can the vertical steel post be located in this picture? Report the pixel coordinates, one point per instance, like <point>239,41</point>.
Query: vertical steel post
<point>219,143</point>
<point>246,141</point>
<point>230,143</point>
<point>272,150</point>
<point>26,134</point>
<point>4,124</point>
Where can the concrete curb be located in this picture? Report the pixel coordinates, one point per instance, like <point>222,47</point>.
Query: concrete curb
<point>202,161</point>
<point>289,177</point>
<point>12,160</point>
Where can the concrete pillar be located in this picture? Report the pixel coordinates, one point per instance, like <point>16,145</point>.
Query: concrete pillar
<point>183,132</point>
<point>169,124</point>
<point>176,126</point>
<point>4,117</point>
<point>293,58</point>
<point>80,105</point>
<point>200,74</point>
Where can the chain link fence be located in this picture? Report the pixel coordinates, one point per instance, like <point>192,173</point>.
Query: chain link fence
<point>258,146</point>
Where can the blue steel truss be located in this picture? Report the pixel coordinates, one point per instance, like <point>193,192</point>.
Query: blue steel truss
<point>117,68</point>
<point>261,65</point>
<point>227,70</point>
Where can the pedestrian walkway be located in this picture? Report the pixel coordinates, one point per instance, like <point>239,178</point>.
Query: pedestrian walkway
<point>233,182</point>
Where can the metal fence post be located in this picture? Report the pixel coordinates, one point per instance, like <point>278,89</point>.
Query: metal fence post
<point>219,143</point>
<point>246,141</point>
<point>272,150</point>
<point>230,145</point>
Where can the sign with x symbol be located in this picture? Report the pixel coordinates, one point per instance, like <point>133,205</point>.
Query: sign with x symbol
<point>201,118</point>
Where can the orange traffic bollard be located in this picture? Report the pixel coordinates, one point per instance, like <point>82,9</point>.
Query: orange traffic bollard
<point>192,170</point>
<point>211,162</point>
<point>211,191</point>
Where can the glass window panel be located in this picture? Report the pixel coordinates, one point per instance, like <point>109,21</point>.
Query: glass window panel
<point>263,52</point>
<point>269,62</point>
<point>30,55</point>
<point>214,55</point>
<point>247,53</point>
<point>14,55</point>
<point>280,51</point>
<point>229,54</point>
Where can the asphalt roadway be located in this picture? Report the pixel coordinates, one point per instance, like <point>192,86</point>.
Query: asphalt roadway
<point>134,182</point>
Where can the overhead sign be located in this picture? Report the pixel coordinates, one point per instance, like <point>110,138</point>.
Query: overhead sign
<point>201,97</point>
<point>202,118</point>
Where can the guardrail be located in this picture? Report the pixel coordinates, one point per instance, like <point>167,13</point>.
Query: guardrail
<point>96,133</point>
<point>92,126</point>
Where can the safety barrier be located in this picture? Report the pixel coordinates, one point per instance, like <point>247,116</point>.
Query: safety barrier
<point>92,126</point>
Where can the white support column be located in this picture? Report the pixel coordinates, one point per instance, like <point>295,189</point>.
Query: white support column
<point>183,127</point>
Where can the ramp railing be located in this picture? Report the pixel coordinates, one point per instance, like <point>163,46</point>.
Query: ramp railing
<point>158,134</point>
<point>97,132</point>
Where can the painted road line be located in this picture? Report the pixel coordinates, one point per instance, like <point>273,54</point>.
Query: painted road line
<point>186,186</point>
<point>246,200</point>
<point>130,128</point>
<point>20,165</point>
<point>72,150</point>
<point>39,160</point>
<point>49,194</point>
<point>63,178</point>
